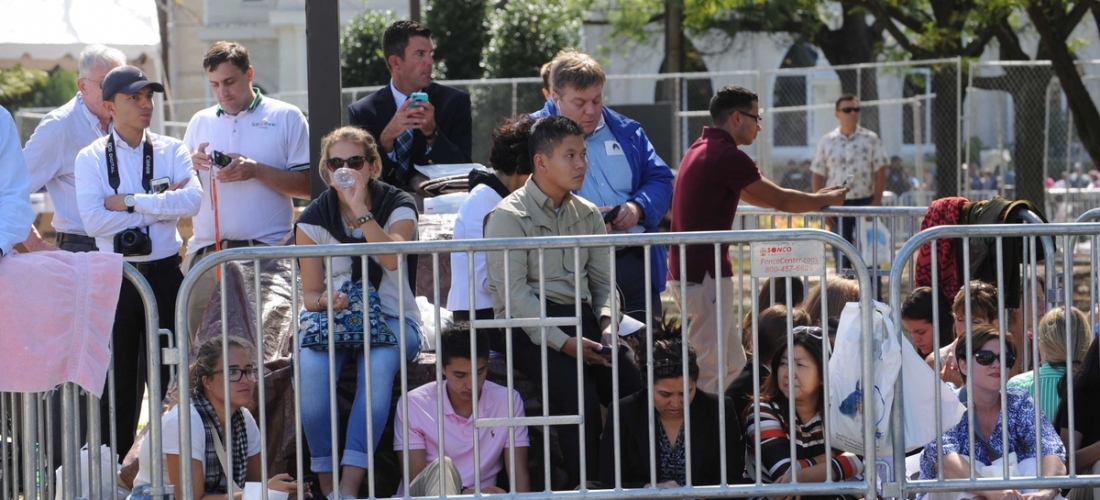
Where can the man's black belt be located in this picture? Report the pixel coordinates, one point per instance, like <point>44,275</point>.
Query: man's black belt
<point>227,244</point>
<point>158,266</point>
<point>623,252</point>
<point>75,239</point>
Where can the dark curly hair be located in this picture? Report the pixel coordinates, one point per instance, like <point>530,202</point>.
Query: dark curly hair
<point>510,154</point>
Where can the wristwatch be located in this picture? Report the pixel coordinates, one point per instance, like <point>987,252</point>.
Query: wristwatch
<point>130,202</point>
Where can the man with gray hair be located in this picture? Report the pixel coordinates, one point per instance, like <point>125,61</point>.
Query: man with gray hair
<point>52,149</point>
<point>625,177</point>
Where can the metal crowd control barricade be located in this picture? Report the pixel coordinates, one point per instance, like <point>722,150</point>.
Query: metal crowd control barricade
<point>572,247</point>
<point>1031,235</point>
<point>28,468</point>
<point>901,222</point>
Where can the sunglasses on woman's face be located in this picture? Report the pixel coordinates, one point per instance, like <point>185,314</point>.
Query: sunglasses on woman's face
<point>986,357</point>
<point>354,163</point>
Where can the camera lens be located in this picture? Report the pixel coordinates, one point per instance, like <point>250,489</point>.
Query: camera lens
<point>129,238</point>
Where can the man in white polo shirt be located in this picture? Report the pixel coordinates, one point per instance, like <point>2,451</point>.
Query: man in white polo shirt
<point>132,187</point>
<point>268,143</point>
<point>51,150</point>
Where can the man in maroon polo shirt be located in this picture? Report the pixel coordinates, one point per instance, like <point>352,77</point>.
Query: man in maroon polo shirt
<point>714,175</point>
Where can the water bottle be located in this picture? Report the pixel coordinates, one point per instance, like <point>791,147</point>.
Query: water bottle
<point>344,178</point>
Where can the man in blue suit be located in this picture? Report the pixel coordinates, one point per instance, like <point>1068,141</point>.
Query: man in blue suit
<point>624,174</point>
<point>411,132</point>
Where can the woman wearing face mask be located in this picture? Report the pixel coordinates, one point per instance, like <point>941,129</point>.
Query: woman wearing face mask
<point>669,402</point>
<point>807,395</point>
<point>985,374</point>
<point>209,426</point>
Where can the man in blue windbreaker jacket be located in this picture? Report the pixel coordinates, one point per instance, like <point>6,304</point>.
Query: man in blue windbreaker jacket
<point>624,174</point>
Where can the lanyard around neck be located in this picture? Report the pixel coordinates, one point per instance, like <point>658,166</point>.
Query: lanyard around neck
<point>112,165</point>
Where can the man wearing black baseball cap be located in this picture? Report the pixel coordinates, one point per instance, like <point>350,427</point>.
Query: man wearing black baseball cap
<point>132,186</point>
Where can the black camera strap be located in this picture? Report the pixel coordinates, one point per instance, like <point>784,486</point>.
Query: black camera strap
<point>112,165</point>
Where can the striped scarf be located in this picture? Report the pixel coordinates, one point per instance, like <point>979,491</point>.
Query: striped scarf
<point>214,476</point>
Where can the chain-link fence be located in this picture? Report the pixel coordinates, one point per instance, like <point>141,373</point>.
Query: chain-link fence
<point>1021,140</point>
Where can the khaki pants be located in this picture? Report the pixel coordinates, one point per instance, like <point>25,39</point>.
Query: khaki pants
<point>701,313</point>
<point>442,470</point>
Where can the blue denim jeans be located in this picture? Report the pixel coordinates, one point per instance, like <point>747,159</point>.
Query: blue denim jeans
<point>385,363</point>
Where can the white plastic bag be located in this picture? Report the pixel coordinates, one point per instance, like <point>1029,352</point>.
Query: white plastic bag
<point>849,395</point>
<point>427,327</point>
<point>874,243</point>
<point>107,483</point>
<point>918,397</point>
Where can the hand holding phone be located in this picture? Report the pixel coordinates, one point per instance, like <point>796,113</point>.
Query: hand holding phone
<point>418,97</point>
<point>605,350</point>
<point>610,216</point>
<point>221,159</point>
<point>847,181</point>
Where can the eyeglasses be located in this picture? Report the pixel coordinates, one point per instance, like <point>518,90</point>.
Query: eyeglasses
<point>97,82</point>
<point>986,357</point>
<point>235,374</point>
<point>850,109</point>
<point>750,115</point>
<point>354,163</point>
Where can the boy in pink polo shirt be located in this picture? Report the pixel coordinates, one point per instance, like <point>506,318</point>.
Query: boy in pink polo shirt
<point>456,469</point>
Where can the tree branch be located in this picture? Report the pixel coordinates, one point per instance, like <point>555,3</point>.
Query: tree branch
<point>888,22</point>
<point>1074,17</point>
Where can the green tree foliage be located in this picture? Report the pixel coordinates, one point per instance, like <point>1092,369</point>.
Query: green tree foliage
<point>525,35</point>
<point>60,87</point>
<point>361,60</point>
<point>18,86</point>
<point>460,29</point>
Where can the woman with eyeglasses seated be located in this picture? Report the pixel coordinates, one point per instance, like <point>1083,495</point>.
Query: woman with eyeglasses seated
<point>985,374</point>
<point>807,395</point>
<point>370,211</point>
<point>668,410</point>
<point>209,475</point>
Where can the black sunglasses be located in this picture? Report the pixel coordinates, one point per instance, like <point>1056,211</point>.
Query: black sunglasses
<point>354,163</point>
<point>852,109</point>
<point>986,357</point>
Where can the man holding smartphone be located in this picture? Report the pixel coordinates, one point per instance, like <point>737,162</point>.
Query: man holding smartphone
<point>416,121</point>
<point>255,149</point>
<point>119,207</point>
<point>714,176</point>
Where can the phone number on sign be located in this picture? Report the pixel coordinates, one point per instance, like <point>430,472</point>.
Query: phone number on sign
<point>793,268</point>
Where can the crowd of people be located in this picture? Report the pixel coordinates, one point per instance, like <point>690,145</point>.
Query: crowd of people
<point>573,168</point>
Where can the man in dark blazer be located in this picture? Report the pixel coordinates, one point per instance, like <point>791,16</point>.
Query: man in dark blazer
<point>413,133</point>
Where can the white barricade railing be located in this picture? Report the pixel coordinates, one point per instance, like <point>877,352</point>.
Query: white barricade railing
<point>31,433</point>
<point>997,239</point>
<point>540,247</point>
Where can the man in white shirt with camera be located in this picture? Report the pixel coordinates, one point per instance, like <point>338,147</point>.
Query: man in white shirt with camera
<point>132,187</point>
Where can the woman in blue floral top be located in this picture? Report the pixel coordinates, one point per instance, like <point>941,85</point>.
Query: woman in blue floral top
<point>985,373</point>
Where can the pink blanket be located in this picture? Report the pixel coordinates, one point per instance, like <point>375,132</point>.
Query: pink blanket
<point>56,314</point>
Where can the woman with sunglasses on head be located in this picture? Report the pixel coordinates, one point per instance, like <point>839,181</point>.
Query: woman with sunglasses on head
<point>807,395</point>
<point>209,428</point>
<point>669,403</point>
<point>985,374</point>
<point>368,211</point>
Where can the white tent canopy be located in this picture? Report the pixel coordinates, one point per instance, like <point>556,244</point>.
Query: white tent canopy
<point>53,29</point>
